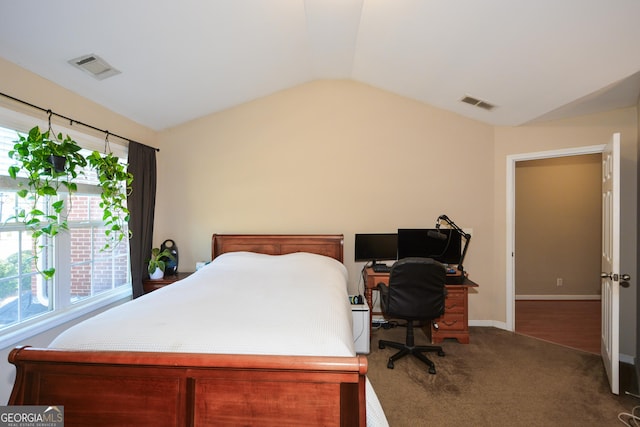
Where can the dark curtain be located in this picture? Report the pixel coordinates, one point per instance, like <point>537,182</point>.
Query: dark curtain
<point>141,203</point>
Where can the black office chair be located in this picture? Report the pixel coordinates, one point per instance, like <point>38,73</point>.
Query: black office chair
<point>416,292</point>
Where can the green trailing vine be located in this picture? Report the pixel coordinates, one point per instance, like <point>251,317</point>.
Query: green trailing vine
<point>45,164</point>
<point>115,182</point>
<point>35,156</point>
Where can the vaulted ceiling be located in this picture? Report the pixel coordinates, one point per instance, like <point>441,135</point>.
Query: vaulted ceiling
<point>179,60</point>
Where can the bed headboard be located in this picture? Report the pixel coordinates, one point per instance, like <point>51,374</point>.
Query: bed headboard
<point>330,245</point>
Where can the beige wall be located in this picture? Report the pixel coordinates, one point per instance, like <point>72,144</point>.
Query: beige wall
<point>339,156</point>
<point>328,157</point>
<point>558,226</point>
<point>637,353</point>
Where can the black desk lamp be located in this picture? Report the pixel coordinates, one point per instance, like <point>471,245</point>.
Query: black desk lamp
<point>467,236</point>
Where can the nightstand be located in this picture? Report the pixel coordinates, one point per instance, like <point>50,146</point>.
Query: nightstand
<point>151,285</point>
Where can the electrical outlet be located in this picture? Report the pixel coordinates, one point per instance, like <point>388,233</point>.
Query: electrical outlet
<point>559,281</point>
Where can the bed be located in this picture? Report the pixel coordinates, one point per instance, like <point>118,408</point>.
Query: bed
<point>158,361</point>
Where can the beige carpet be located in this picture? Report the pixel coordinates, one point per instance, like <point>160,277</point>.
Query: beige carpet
<point>499,379</point>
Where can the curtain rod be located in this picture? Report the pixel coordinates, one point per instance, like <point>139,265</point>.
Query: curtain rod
<point>72,121</point>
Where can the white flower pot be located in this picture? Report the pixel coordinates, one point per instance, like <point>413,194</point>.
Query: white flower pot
<point>157,275</point>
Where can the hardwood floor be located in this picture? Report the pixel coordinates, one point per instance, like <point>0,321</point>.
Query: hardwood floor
<point>571,323</point>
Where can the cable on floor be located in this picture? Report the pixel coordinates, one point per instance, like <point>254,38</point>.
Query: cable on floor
<point>631,419</point>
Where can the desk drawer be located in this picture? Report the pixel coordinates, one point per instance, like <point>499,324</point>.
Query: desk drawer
<point>452,322</point>
<point>454,304</point>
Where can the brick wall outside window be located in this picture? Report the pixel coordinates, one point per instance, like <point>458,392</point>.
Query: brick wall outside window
<point>93,270</point>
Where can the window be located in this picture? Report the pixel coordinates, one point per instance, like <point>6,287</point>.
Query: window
<point>86,275</point>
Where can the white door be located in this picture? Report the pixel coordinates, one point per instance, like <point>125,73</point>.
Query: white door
<point>610,330</point>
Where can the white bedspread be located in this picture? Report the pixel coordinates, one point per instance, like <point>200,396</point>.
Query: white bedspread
<point>241,303</point>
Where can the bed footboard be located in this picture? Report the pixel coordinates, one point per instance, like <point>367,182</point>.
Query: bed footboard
<point>107,388</point>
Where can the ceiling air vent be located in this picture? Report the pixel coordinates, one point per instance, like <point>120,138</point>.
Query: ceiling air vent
<point>477,103</point>
<point>95,66</point>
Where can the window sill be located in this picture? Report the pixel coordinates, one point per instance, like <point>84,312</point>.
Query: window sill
<point>18,334</point>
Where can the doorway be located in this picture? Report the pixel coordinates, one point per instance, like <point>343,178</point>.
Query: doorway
<point>512,162</point>
<point>558,211</point>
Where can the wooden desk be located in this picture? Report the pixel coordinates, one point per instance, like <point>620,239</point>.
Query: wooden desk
<point>454,323</point>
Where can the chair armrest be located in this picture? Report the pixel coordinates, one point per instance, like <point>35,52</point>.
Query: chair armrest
<point>383,289</point>
<point>384,296</point>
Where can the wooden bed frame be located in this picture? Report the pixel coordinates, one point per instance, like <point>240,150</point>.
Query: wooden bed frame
<point>106,388</point>
<point>330,245</point>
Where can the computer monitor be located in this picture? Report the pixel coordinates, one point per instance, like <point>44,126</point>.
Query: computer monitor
<point>443,245</point>
<point>376,247</point>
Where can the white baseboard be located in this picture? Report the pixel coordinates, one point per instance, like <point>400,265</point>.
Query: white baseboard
<point>627,359</point>
<point>557,297</point>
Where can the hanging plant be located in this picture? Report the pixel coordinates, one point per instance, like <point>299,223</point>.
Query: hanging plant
<point>48,163</point>
<point>115,182</point>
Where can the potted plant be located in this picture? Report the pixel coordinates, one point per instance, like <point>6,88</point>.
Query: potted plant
<point>157,264</point>
<point>35,156</point>
<point>115,182</point>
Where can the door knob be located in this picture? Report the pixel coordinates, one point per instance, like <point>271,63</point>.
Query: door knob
<point>614,277</point>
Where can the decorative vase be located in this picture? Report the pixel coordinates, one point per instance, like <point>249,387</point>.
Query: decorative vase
<point>157,275</point>
<point>170,265</point>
